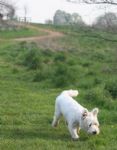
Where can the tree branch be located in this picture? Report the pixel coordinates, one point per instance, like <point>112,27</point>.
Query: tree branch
<point>9,7</point>
<point>110,2</point>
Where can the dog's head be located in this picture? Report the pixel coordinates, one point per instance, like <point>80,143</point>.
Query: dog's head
<point>89,121</point>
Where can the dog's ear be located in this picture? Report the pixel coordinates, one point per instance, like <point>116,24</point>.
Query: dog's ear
<point>84,114</point>
<point>95,111</point>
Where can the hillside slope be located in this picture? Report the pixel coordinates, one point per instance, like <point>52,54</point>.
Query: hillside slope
<point>34,72</point>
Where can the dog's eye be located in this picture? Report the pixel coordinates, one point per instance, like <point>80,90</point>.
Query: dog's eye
<point>96,124</point>
<point>90,124</point>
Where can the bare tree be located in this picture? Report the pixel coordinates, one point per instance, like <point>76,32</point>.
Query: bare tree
<point>25,13</point>
<point>7,8</point>
<point>110,2</point>
<point>64,18</point>
<point>48,21</point>
<point>108,22</point>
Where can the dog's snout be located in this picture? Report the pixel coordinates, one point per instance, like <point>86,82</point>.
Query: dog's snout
<point>94,132</point>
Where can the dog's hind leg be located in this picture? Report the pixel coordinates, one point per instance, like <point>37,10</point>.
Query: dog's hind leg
<point>78,130</point>
<point>56,118</point>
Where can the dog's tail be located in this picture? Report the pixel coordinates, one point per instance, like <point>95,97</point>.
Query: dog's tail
<point>71,93</point>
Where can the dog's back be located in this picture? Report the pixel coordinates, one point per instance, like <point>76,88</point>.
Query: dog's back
<point>71,93</point>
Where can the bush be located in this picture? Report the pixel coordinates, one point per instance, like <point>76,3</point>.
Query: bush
<point>61,57</point>
<point>47,52</point>
<point>96,96</point>
<point>86,83</point>
<point>63,76</point>
<point>43,74</point>
<point>23,44</point>
<point>97,81</point>
<point>15,70</point>
<point>71,62</point>
<point>39,76</point>
<point>33,59</point>
<point>111,87</point>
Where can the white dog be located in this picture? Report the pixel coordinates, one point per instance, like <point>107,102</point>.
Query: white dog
<point>76,116</point>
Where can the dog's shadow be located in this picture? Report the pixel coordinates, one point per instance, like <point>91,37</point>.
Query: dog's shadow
<point>31,132</point>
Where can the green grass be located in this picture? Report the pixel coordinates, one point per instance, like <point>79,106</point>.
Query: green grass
<point>18,33</point>
<point>27,94</point>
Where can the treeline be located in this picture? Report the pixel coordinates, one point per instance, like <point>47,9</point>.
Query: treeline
<point>64,18</point>
<point>107,21</point>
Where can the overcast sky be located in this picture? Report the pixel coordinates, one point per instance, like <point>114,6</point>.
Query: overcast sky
<point>41,10</point>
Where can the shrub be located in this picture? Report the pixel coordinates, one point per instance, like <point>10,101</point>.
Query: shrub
<point>47,52</point>
<point>97,81</point>
<point>85,63</point>
<point>96,96</point>
<point>106,69</point>
<point>61,57</point>
<point>63,76</point>
<point>71,62</point>
<point>111,87</point>
<point>97,56</point>
<point>15,70</point>
<point>91,73</point>
<point>39,76</point>
<point>86,83</point>
<point>32,59</point>
<point>99,98</point>
<point>42,74</point>
<point>23,44</point>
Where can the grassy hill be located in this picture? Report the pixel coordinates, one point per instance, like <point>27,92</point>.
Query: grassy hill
<point>19,33</point>
<point>31,77</point>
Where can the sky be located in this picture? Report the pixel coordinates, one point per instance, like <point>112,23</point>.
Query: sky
<point>41,10</point>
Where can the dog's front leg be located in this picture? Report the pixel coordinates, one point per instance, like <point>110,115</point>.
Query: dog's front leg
<point>73,132</point>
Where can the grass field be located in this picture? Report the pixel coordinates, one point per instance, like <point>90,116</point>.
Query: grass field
<point>32,77</point>
<point>21,32</point>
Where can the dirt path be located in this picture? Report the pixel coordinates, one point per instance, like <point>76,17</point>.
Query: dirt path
<point>50,35</point>
<point>47,41</point>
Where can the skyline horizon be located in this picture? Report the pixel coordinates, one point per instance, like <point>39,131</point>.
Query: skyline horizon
<point>40,11</point>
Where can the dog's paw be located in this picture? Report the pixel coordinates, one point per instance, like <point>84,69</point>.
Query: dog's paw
<point>54,125</point>
<point>75,139</point>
